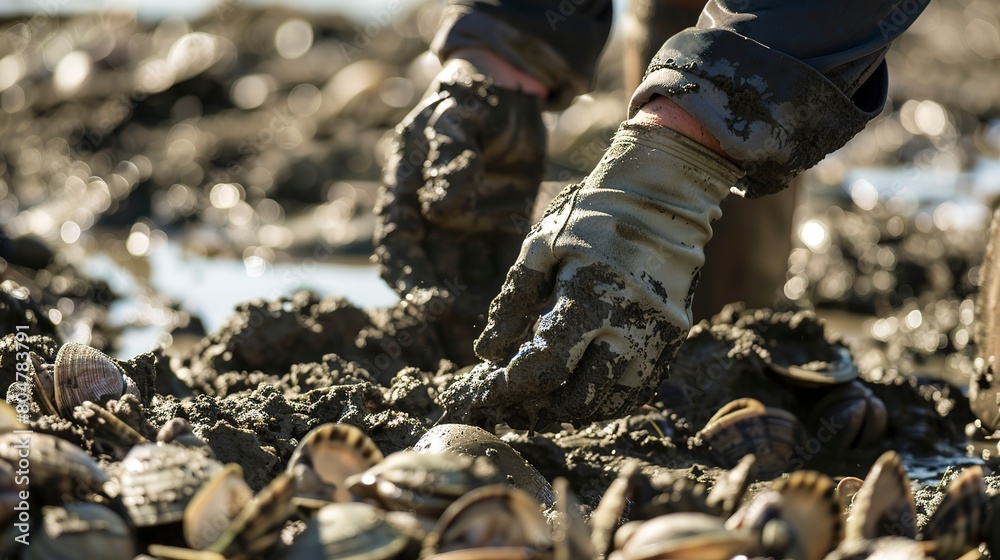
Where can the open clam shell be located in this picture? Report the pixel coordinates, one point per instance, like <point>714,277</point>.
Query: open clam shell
<point>425,483</point>
<point>56,464</point>
<point>571,538</point>
<point>884,505</point>
<point>477,442</point>
<point>45,388</point>
<point>489,522</point>
<point>746,427</point>
<point>327,457</point>
<point>214,507</point>
<point>82,373</point>
<point>798,518</point>
<point>812,367</point>
<point>81,530</point>
<point>957,524</point>
<point>257,528</point>
<point>685,535</point>
<point>353,531</point>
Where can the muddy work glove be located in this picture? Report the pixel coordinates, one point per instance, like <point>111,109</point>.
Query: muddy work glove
<point>459,186</point>
<point>610,269</point>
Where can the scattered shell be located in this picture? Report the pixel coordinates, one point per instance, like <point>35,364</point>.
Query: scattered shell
<point>214,507</point>
<point>684,535</point>
<point>731,486</point>
<point>859,414</point>
<point>956,525</point>
<point>811,363</point>
<point>497,522</point>
<point>744,427</point>
<point>798,518</point>
<point>257,528</point>
<point>477,442</point>
<point>57,466</point>
<point>606,517</point>
<point>884,548</point>
<point>846,490</point>
<point>426,483</point>
<point>82,373</point>
<point>45,387</point>
<point>883,506</point>
<point>347,531</point>
<point>326,457</point>
<point>81,530</point>
<point>571,536</point>
<point>159,480</point>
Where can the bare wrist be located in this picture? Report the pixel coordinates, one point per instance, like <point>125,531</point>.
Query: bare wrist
<point>665,112</point>
<point>504,74</point>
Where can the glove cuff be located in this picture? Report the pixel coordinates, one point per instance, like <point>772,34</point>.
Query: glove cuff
<point>722,172</point>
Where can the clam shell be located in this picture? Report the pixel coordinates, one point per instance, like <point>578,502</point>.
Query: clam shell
<point>257,528</point>
<point>81,374</point>
<point>351,531</point>
<point>744,427</point>
<point>816,366</point>
<point>214,507</point>
<point>884,548</point>
<point>571,535</point>
<point>477,442</point>
<point>846,490</point>
<point>54,462</point>
<point>863,416</point>
<point>811,508</point>
<point>611,508</point>
<point>957,524</point>
<point>426,483</point>
<point>159,480</point>
<point>489,520</point>
<point>326,457</point>
<point>798,518</point>
<point>8,418</point>
<point>45,389</point>
<point>81,530</point>
<point>685,535</point>
<point>730,487</point>
<point>883,506</point>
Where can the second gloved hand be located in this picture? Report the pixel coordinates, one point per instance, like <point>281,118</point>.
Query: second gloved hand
<point>459,186</point>
<point>602,288</point>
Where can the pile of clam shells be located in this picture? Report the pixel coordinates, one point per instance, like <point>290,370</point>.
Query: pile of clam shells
<point>459,493</point>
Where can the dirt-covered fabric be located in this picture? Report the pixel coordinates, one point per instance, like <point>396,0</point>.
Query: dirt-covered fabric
<point>610,268</point>
<point>459,186</point>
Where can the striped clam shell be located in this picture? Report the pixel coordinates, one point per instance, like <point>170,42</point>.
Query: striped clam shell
<point>214,507</point>
<point>326,457</point>
<point>684,535</point>
<point>54,461</point>
<point>744,427</point>
<point>82,373</point>
<point>357,531</point>
<point>798,518</point>
<point>159,480</point>
<point>81,530</point>
<point>884,505</point>
<point>956,526</point>
<point>489,522</point>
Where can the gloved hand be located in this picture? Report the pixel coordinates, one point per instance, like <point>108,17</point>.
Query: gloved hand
<point>610,268</point>
<point>458,190</point>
